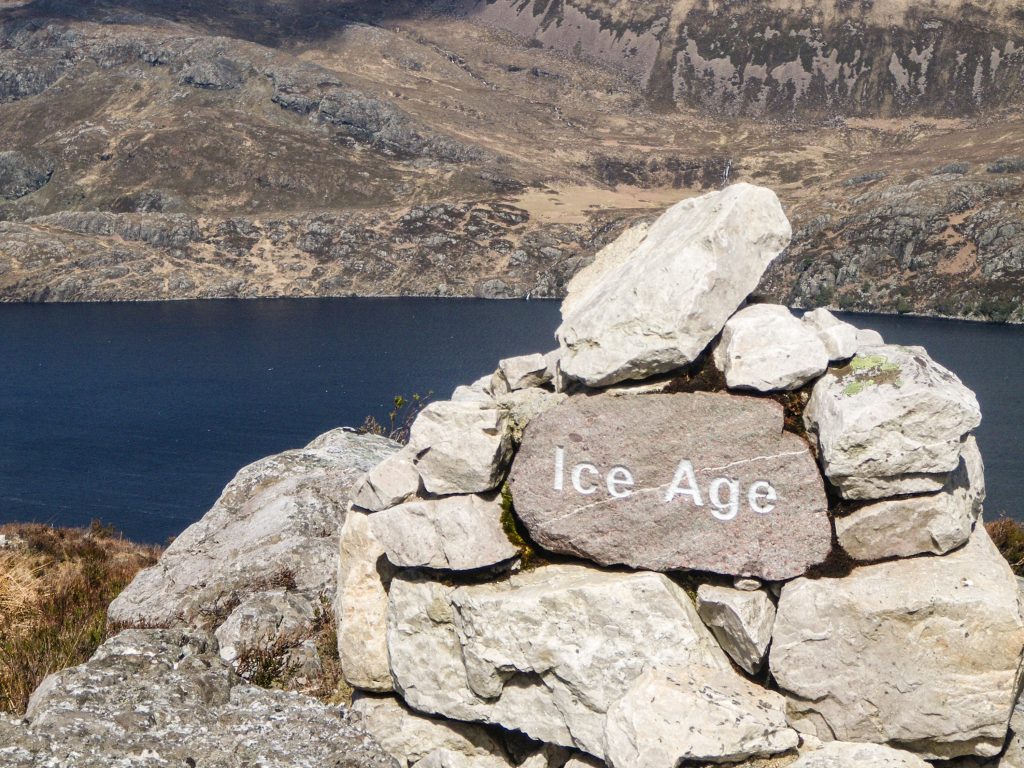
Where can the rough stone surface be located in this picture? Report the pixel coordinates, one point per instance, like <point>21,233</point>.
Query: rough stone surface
<point>647,438</point>
<point>911,525</point>
<point>525,371</point>
<point>921,652</point>
<point>890,421</point>
<point>447,758</point>
<point>659,308</point>
<point>266,622</point>
<point>478,391</point>
<point>391,482</point>
<point>1013,755</point>
<point>456,533</point>
<point>842,754</point>
<point>740,620</point>
<point>361,607</point>
<point>278,519</point>
<point>765,348</point>
<point>409,737</point>
<point>525,405</point>
<point>868,338</point>
<point>839,338</point>
<point>673,715</point>
<point>611,257</point>
<point>165,698</point>
<point>461,447</point>
<point>546,652</point>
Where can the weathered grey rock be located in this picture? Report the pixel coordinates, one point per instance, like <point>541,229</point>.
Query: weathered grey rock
<point>391,482</point>
<point>672,715</point>
<point>868,338</point>
<point>546,652</point>
<point>457,533</point>
<point>611,257</point>
<point>890,421</point>
<point>277,521</point>
<point>409,737</point>
<point>446,758</point>
<point>1013,754</point>
<point>525,371</point>
<point>660,307</point>
<point>606,478</point>
<point>765,348</point>
<point>165,698</point>
<point>920,652</point>
<point>740,620</point>
<point>746,584</point>
<point>479,391</point>
<point>361,608</point>
<point>524,405</point>
<point>842,754</point>
<point>911,525</point>
<point>266,622</point>
<point>461,447</point>
<point>839,338</point>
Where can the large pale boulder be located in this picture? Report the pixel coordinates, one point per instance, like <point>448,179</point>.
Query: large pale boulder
<point>461,446</point>
<point>276,522</point>
<point>891,421</point>
<point>525,371</point>
<point>266,622</point>
<point>839,338</point>
<point>912,525</point>
<point>741,620</point>
<point>765,348</point>
<point>360,610</point>
<point>391,482</point>
<point>661,306</point>
<point>457,533</point>
<point>409,737</point>
<point>612,256</point>
<point>546,652</point>
<point>674,715</point>
<point>922,652</point>
<point>842,754</point>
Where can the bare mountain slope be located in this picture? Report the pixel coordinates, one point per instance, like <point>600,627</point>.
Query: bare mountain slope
<point>152,149</point>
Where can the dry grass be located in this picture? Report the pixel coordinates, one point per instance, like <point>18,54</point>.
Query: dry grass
<point>55,586</point>
<point>1008,536</point>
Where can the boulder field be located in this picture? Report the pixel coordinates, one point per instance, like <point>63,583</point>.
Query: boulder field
<point>702,530</point>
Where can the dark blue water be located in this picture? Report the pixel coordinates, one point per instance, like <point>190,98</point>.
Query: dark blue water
<point>139,414</point>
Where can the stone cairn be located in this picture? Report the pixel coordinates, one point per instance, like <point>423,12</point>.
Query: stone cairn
<point>702,530</point>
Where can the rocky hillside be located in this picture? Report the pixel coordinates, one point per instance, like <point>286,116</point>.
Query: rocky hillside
<point>489,147</point>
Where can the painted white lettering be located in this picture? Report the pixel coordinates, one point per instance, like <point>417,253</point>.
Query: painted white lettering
<point>762,491</point>
<point>684,472</point>
<point>724,510</point>
<point>577,478</point>
<point>619,481</point>
<point>559,468</point>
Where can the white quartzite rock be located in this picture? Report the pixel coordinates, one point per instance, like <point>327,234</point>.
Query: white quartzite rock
<point>546,652</point>
<point>741,621</point>
<point>659,308</point>
<point>361,607</point>
<point>911,525</point>
<point>921,652</point>
<point>525,371</point>
<point>409,737</point>
<point>461,447</point>
<point>266,622</point>
<point>839,338</point>
<point>612,256</point>
<point>479,390</point>
<point>391,482</point>
<point>890,422</point>
<point>841,754</point>
<point>455,533</point>
<point>673,715</point>
<point>765,348</point>
<point>868,338</point>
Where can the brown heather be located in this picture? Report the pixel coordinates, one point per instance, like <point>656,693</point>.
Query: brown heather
<point>55,585</point>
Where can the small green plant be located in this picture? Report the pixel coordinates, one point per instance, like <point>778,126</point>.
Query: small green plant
<point>511,528</point>
<point>403,413</point>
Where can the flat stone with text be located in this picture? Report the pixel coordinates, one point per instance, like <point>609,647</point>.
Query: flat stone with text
<point>665,482</point>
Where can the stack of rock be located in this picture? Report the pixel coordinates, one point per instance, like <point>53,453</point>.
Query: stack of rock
<point>703,530</point>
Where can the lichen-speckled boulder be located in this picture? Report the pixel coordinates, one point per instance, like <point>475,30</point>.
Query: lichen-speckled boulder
<point>910,525</point>
<point>674,715</point>
<point>921,652</point>
<point>546,652</point>
<point>659,308</point>
<point>703,481</point>
<point>841,754</point>
<point>276,522</point>
<point>891,421</point>
<point>164,698</point>
<point>766,348</point>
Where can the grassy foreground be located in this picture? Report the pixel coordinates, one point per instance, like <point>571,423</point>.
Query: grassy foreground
<point>55,586</point>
